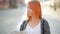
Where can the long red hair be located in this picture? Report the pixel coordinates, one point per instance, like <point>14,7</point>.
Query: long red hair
<point>36,9</point>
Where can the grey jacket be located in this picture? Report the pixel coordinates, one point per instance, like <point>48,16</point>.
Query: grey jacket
<point>45,29</point>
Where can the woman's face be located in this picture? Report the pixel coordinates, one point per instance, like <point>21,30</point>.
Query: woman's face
<point>29,11</point>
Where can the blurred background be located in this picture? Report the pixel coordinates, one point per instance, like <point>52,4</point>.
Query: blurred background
<point>5,4</point>
<point>11,19</point>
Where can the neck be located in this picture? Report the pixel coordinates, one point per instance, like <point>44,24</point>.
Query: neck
<point>34,22</point>
<point>35,18</point>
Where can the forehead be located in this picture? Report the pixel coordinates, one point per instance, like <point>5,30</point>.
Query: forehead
<point>33,3</point>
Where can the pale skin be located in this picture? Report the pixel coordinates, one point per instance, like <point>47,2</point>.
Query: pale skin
<point>34,21</point>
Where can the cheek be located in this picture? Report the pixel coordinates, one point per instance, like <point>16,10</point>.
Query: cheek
<point>29,13</point>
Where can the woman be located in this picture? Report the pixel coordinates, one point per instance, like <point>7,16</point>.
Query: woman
<point>35,23</point>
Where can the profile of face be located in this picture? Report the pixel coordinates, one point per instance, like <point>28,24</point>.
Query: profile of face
<point>29,11</point>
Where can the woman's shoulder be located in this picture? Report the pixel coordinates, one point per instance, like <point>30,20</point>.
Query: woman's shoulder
<point>43,20</point>
<point>46,26</point>
<point>25,21</point>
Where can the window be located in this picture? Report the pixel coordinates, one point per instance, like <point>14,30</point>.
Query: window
<point>12,3</point>
<point>3,4</point>
<point>8,4</point>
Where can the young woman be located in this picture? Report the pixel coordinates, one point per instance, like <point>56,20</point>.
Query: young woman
<point>35,23</point>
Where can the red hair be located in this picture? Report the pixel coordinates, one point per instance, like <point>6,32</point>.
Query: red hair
<point>36,9</point>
